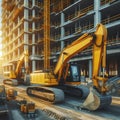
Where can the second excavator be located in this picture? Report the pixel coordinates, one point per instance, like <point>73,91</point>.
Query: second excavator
<point>65,78</point>
<point>20,74</point>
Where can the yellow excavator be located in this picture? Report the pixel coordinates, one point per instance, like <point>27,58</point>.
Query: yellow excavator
<point>65,78</point>
<point>20,75</point>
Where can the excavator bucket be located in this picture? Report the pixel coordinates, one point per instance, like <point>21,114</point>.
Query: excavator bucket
<point>96,101</point>
<point>92,101</point>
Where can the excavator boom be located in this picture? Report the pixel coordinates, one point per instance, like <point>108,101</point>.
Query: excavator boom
<point>79,45</point>
<point>98,40</point>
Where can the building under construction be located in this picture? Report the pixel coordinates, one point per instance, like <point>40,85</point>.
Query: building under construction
<point>23,29</point>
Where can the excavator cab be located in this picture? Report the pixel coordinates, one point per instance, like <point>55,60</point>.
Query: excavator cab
<point>73,76</point>
<point>74,73</point>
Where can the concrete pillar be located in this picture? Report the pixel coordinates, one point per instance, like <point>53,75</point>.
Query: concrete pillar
<point>18,27</point>
<point>26,23</point>
<point>33,65</point>
<point>18,38</point>
<point>90,69</point>
<point>18,41</point>
<point>33,42</point>
<point>62,29</point>
<point>26,10</point>
<point>26,14</point>
<point>97,16</point>
<point>62,42</point>
<point>26,3</point>
<point>33,2</point>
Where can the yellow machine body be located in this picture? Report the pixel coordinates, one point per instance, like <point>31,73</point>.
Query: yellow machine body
<point>66,76</point>
<point>27,108</point>
<point>97,40</point>
<point>44,78</point>
<point>10,74</point>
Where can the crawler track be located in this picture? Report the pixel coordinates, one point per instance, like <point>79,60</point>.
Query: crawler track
<point>12,82</point>
<point>52,95</point>
<point>69,110</point>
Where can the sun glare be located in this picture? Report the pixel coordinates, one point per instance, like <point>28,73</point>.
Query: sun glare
<point>0,50</point>
<point>0,45</point>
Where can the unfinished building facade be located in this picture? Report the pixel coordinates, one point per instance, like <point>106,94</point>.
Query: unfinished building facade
<point>22,26</point>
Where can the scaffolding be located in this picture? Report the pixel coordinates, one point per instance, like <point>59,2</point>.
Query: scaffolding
<point>103,2</point>
<point>26,25</point>
<point>46,34</point>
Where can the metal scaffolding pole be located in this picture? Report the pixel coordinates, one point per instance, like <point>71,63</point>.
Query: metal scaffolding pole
<point>46,34</point>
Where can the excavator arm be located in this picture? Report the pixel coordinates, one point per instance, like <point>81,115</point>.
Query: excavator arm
<point>99,58</point>
<point>23,59</point>
<point>98,40</point>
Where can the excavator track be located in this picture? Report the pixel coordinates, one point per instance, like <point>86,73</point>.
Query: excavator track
<point>113,86</point>
<point>90,99</point>
<point>105,100</point>
<point>52,95</point>
<point>76,91</point>
<point>12,82</point>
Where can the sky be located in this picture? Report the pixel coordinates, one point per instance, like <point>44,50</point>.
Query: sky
<point>0,30</point>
